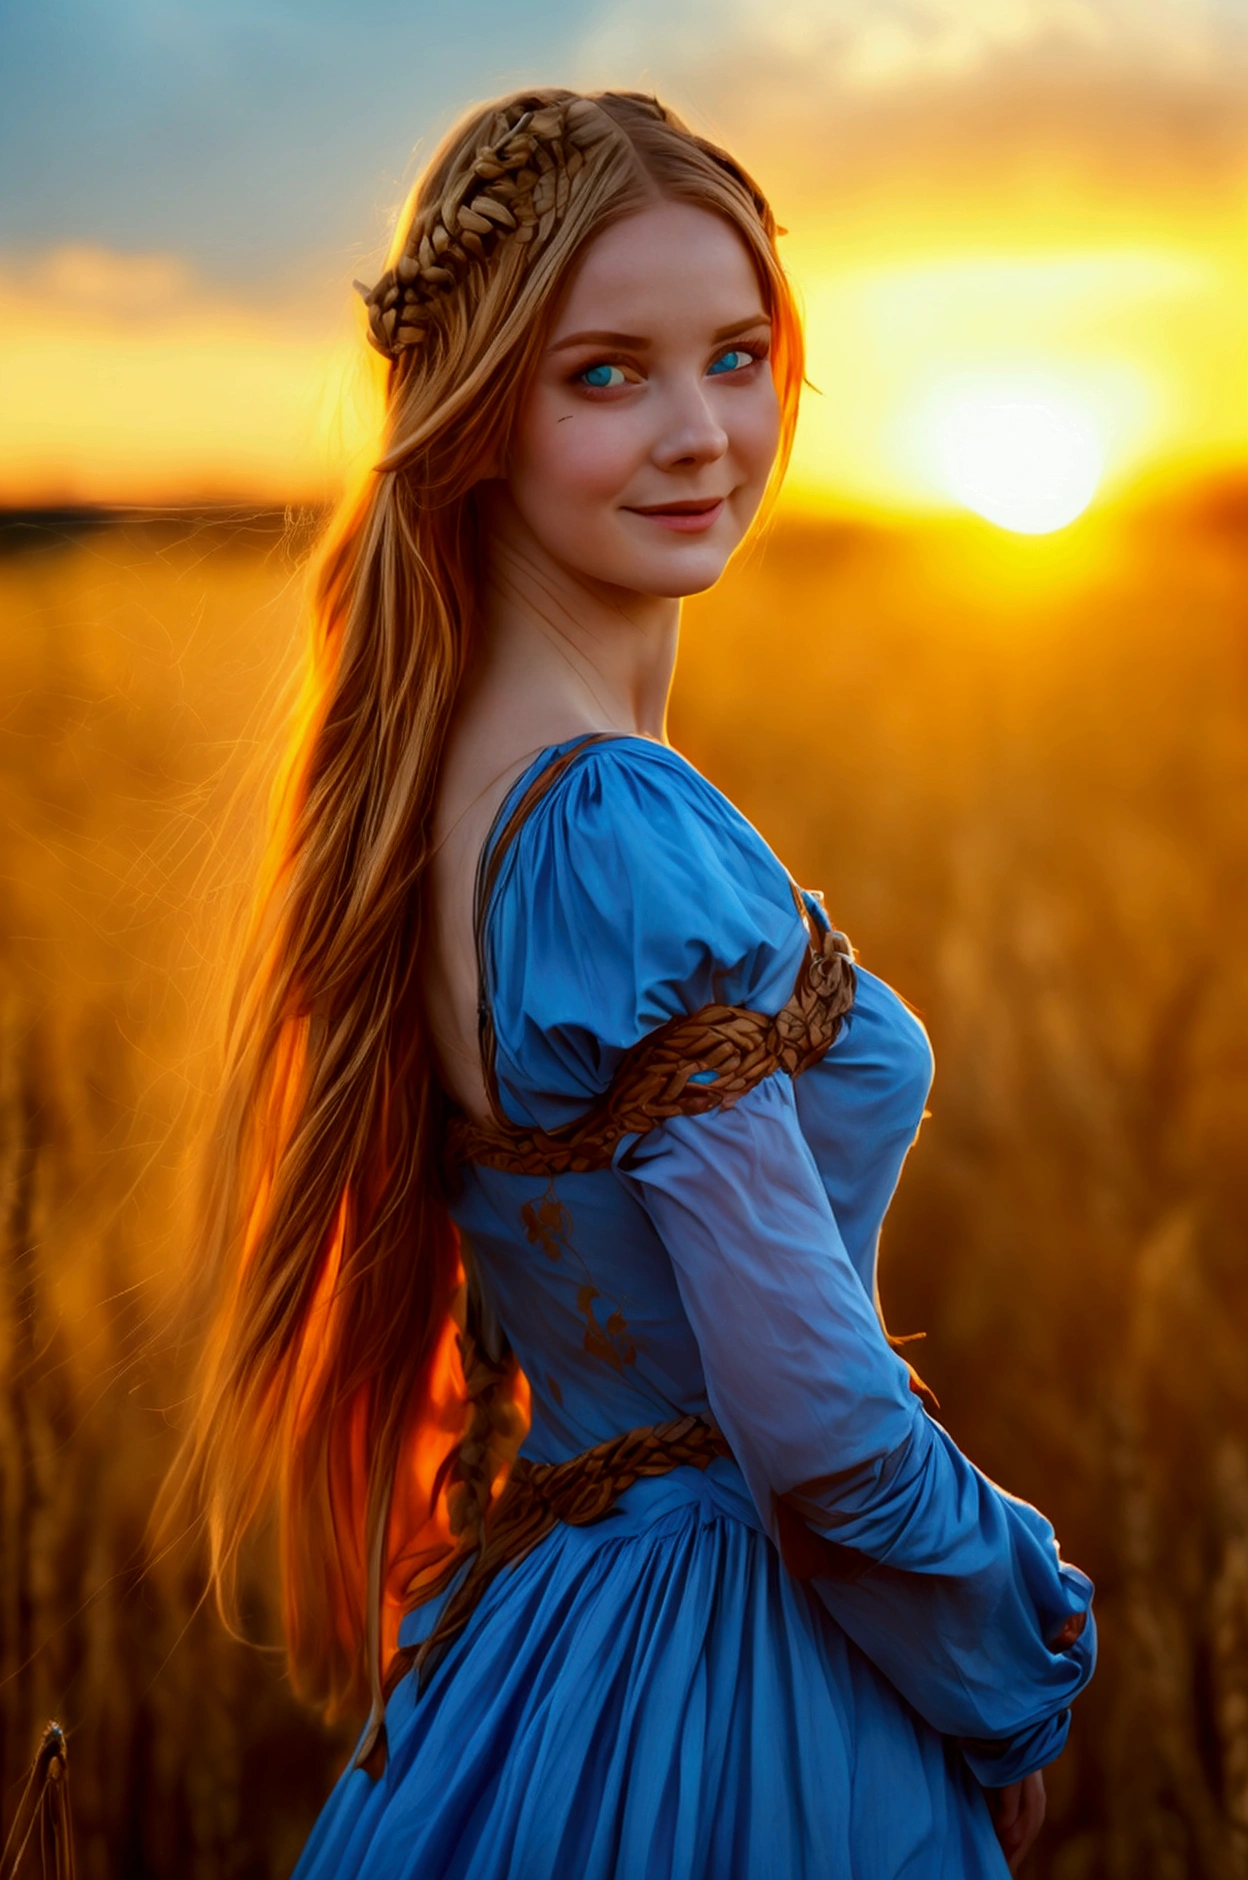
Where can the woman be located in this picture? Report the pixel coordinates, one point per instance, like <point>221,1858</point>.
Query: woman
<point>551,1095</point>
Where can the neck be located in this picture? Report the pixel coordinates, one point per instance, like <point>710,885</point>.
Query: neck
<point>561,653</point>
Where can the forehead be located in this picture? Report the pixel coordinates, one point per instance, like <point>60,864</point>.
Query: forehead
<point>670,265</point>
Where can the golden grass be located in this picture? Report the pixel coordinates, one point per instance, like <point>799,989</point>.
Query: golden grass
<point>1019,770</point>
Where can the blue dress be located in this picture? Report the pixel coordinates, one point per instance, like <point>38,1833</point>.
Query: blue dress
<point>654,1696</point>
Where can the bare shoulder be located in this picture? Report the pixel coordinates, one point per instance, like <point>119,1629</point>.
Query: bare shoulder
<point>480,763</point>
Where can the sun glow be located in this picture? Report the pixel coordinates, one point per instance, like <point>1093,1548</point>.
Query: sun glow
<point>1027,458</point>
<point>1124,358</point>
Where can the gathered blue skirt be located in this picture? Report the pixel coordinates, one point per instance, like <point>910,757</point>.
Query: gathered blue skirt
<point>653,1697</point>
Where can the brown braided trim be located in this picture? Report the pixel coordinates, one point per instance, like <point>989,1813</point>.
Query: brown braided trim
<point>518,187</point>
<point>653,1081</point>
<point>537,1495</point>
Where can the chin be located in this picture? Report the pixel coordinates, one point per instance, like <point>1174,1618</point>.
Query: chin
<point>680,576</point>
<point>695,584</point>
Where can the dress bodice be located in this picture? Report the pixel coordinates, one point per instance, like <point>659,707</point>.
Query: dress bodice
<point>572,1267</point>
<point>723,1264</point>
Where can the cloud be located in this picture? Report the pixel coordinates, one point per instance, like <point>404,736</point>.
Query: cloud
<point>871,44</point>
<point>129,378</point>
<point>98,282</point>
<point>825,97</point>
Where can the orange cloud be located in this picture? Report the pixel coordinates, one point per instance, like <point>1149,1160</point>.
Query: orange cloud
<point>126,379</point>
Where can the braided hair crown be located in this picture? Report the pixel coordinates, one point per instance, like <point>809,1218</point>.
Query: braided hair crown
<point>516,187</point>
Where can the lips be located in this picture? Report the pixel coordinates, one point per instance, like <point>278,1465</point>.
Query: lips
<point>690,516</point>
<point>696,506</point>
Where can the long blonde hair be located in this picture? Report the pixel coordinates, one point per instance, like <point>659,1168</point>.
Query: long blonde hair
<point>329,1374</point>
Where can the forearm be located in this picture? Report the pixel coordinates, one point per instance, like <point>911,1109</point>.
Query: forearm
<point>953,1587</point>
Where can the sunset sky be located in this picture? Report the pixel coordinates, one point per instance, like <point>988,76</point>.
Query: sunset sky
<point>1018,227</point>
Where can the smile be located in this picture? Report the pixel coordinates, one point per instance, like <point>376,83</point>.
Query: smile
<point>688,518</point>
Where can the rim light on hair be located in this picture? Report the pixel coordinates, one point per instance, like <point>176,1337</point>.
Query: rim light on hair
<point>331,1378</point>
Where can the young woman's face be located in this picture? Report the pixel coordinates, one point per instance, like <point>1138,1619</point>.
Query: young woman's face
<point>647,436</point>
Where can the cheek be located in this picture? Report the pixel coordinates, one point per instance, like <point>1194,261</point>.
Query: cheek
<point>572,458</point>
<point>756,436</point>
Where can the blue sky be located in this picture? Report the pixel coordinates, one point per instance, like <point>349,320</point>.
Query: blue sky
<point>242,135</point>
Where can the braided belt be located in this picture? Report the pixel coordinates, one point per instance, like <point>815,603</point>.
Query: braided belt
<point>704,1060</point>
<point>536,1496</point>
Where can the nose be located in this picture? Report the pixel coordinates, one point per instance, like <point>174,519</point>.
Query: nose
<point>689,434</point>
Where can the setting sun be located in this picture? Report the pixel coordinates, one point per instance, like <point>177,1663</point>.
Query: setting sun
<point>1029,460</point>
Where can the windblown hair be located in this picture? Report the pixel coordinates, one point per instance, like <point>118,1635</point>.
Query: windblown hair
<point>330,1379</point>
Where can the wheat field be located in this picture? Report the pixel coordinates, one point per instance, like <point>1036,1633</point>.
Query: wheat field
<point>1018,768</point>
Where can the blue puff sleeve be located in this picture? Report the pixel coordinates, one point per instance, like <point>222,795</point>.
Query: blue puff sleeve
<point>634,892</point>
<point>641,894</point>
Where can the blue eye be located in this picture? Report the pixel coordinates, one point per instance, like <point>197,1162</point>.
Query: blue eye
<point>599,377</point>
<point>733,361</point>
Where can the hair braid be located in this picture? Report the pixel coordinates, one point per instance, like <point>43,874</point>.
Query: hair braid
<point>519,185</point>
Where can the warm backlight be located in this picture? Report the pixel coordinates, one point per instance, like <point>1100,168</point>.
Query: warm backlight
<point>1029,461</point>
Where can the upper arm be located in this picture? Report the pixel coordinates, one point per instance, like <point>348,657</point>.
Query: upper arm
<point>633,894</point>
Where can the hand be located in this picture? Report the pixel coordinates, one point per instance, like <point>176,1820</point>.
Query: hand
<point>1017,1814</point>
<point>1072,1630</point>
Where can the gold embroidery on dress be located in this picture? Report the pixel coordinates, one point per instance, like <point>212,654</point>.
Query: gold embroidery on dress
<point>547,1223</point>
<point>611,1341</point>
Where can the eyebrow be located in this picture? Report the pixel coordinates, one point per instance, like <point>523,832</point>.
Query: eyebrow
<point>636,343</point>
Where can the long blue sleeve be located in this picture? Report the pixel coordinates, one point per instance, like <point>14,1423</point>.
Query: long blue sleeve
<point>952,1587</point>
